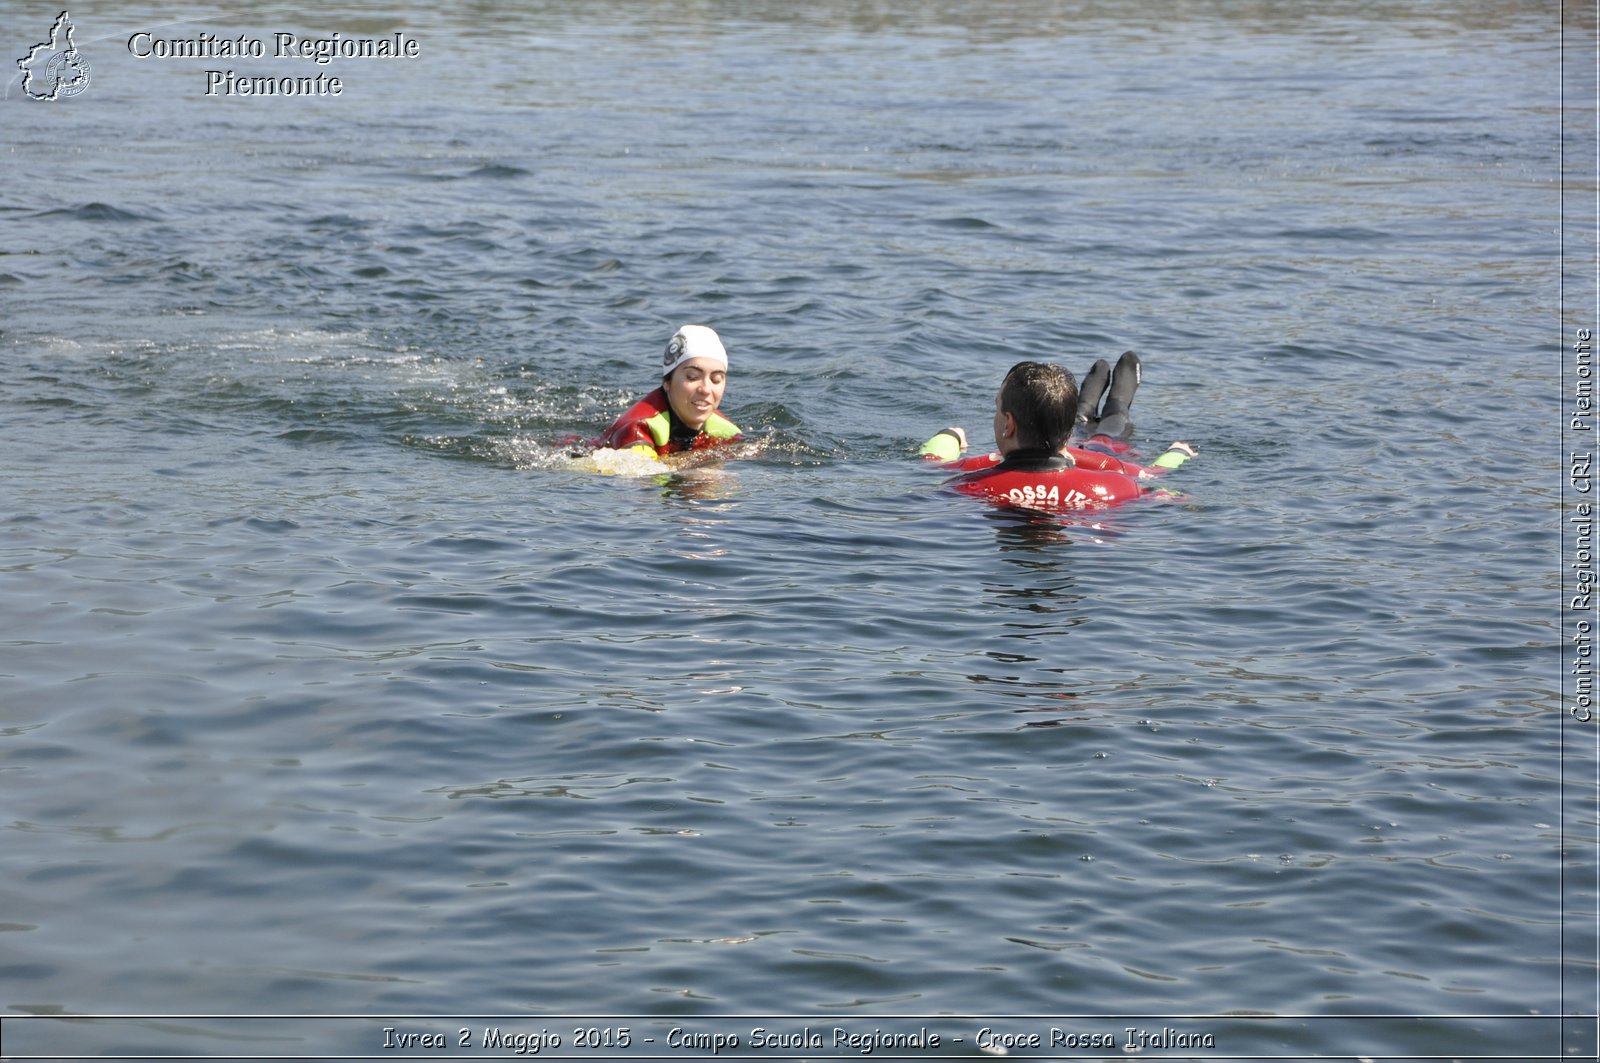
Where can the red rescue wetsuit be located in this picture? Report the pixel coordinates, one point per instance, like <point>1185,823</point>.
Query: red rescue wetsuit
<point>1080,479</point>
<point>1042,479</point>
<point>650,422</point>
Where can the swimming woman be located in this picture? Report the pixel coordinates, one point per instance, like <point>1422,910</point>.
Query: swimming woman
<point>681,416</point>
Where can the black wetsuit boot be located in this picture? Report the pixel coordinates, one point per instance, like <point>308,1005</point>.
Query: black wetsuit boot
<point>1089,392</point>
<point>1119,399</point>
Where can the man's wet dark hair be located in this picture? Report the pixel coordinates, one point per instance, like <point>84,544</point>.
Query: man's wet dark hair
<point>1043,398</point>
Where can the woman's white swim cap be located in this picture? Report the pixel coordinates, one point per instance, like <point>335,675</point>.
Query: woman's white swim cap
<point>692,341</point>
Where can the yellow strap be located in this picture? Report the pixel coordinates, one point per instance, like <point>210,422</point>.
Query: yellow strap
<point>659,427</point>
<point>719,427</point>
<point>716,426</point>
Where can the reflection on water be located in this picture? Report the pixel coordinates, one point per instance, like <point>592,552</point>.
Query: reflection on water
<point>1037,606</point>
<point>1027,530</point>
<point>715,482</point>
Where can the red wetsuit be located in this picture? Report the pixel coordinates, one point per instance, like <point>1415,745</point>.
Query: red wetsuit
<point>1040,479</point>
<point>650,422</point>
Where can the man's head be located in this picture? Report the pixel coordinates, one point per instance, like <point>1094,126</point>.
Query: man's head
<point>1035,408</point>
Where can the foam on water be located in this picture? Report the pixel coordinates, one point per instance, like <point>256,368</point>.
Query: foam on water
<point>631,462</point>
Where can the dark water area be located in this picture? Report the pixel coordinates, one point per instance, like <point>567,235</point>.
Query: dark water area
<point>330,687</point>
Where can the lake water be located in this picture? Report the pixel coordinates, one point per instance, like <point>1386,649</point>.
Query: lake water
<point>329,688</point>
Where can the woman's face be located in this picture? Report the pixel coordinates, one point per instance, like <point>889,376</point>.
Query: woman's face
<point>694,390</point>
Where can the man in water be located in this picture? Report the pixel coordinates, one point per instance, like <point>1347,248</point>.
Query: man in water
<point>682,414</point>
<point>1036,411</point>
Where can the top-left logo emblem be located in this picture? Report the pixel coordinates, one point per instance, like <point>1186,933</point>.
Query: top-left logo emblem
<point>55,68</point>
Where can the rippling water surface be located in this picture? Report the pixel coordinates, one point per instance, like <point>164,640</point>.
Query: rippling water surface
<point>329,687</point>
